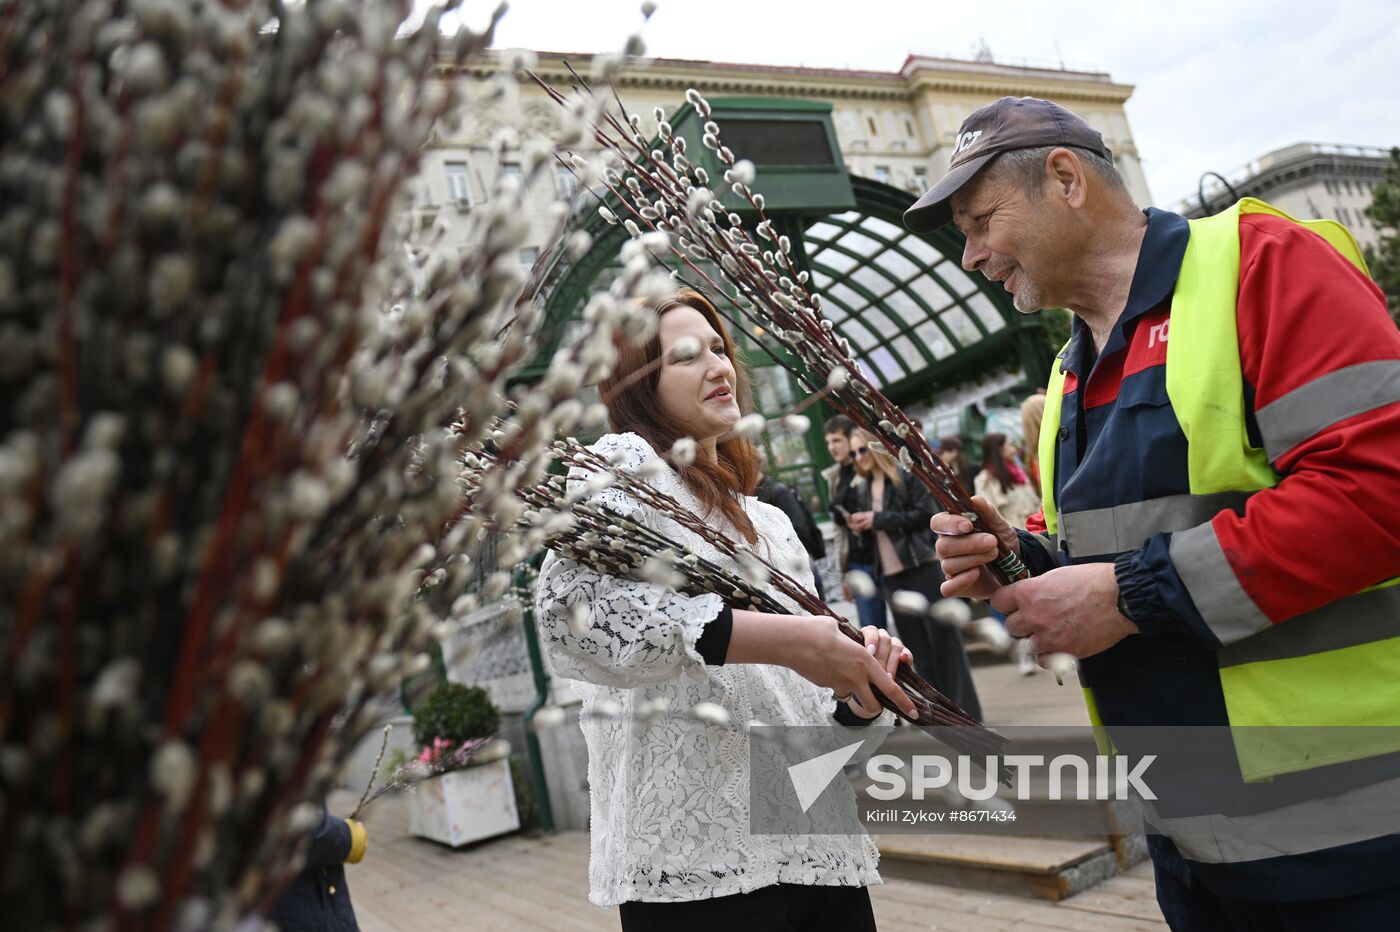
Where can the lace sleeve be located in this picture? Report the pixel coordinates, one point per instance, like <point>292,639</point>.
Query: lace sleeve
<point>618,632</point>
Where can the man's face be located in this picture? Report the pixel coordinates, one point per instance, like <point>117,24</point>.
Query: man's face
<point>1012,238</point>
<point>839,447</point>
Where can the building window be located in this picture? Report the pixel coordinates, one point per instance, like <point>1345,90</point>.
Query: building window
<point>565,182</point>
<point>870,122</point>
<point>1329,187</point>
<point>528,256</point>
<point>459,187</point>
<point>512,170</point>
<point>882,174</point>
<point>1343,216</point>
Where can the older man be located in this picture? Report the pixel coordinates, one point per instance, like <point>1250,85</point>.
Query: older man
<point>1242,358</point>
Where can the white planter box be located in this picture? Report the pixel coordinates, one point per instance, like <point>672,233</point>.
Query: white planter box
<point>464,805</point>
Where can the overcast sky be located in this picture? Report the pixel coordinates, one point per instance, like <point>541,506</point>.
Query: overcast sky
<point>1219,82</point>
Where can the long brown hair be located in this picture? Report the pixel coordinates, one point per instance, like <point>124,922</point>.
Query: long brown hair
<point>635,407</point>
<point>995,463</point>
<point>882,463</point>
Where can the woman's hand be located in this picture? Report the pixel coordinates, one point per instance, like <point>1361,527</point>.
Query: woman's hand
<point>829,658</point>
<point>861,521</point>
<point>819,652</point>
<point>889,652</point>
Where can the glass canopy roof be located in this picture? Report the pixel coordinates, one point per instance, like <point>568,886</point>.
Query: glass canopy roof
<point>916,321</point>
<point>902,303</point>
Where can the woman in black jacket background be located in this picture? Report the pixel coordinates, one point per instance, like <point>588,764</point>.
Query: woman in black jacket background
<point>897,509</point>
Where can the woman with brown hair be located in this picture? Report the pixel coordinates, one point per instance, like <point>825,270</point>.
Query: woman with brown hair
<point>670,682</point>
<point>1003,483</point>
<point>898,512</point>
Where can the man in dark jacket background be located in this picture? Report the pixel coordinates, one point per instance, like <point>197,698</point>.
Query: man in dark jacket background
<point>317,899</point>
<point>774,492</point>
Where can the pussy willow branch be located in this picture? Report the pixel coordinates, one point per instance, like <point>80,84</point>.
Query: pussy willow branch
<point>769,289</point>
<point>616,544</point>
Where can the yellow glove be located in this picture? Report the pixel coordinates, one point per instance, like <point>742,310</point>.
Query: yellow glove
<point>359,841</point>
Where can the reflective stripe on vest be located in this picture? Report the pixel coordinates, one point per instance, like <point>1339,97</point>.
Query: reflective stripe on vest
<point>1336,666</point>
<point>1111,531</point>
<point>1358,815</point>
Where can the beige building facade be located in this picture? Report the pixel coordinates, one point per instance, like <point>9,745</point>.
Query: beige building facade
<point>1309,180</point>
<point>896,127</point>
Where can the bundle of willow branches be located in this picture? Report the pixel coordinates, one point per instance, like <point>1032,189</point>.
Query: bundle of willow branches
<point>668,203</point>
<point>231,430</point>
<point>566,521</point>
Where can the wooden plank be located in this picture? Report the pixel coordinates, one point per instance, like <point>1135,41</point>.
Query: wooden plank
<point>1134,902</point>
<point>1011,908</point>
<point>993,852</point>
<point>1008,698</point>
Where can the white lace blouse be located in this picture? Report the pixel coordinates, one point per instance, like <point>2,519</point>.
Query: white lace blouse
<point>670,791</point>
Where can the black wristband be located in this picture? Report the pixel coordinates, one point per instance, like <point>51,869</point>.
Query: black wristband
<point>713,644</point>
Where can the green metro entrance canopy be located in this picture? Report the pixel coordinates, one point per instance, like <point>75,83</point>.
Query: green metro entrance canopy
<point>916,321</point>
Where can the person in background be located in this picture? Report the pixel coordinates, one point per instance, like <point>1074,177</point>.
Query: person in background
<point>950,451</point>
<point>317,899</point>
<point>772,491</point>
<point>855,551</point>
<point>896,513</point>
<point>1032,410</point>
<point>1003,483</point>
<point>1006,487</point>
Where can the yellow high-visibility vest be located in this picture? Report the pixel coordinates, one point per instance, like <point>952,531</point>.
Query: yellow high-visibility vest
<point>1336,666</point>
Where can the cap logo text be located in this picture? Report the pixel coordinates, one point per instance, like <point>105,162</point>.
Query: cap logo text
<point>965,140</point>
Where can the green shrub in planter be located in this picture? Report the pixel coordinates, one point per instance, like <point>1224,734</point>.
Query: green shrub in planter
<point>455,713</point>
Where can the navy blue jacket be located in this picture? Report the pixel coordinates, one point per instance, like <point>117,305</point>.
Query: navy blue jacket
<point>1120,441</point>
<point>317,899</point>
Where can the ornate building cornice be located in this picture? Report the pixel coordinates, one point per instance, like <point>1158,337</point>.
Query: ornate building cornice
<point>916,77</point>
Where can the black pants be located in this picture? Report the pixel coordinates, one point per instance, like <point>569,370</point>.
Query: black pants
<point>784,907</point>
<point>939,654</point>
<point>1189,907</point>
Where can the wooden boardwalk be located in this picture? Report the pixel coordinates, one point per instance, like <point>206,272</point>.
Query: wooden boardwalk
<point>407,884</point>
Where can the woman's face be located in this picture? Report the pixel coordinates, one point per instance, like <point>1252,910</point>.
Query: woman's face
<point>696,391</point>
<point>948,456</point>
<point>1008,451</point>
<point>861,455</point>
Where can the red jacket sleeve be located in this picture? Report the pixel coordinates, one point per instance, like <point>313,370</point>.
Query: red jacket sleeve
<point>1323,357</point>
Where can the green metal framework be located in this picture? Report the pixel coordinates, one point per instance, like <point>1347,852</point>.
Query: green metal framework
<point>916,321</point>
